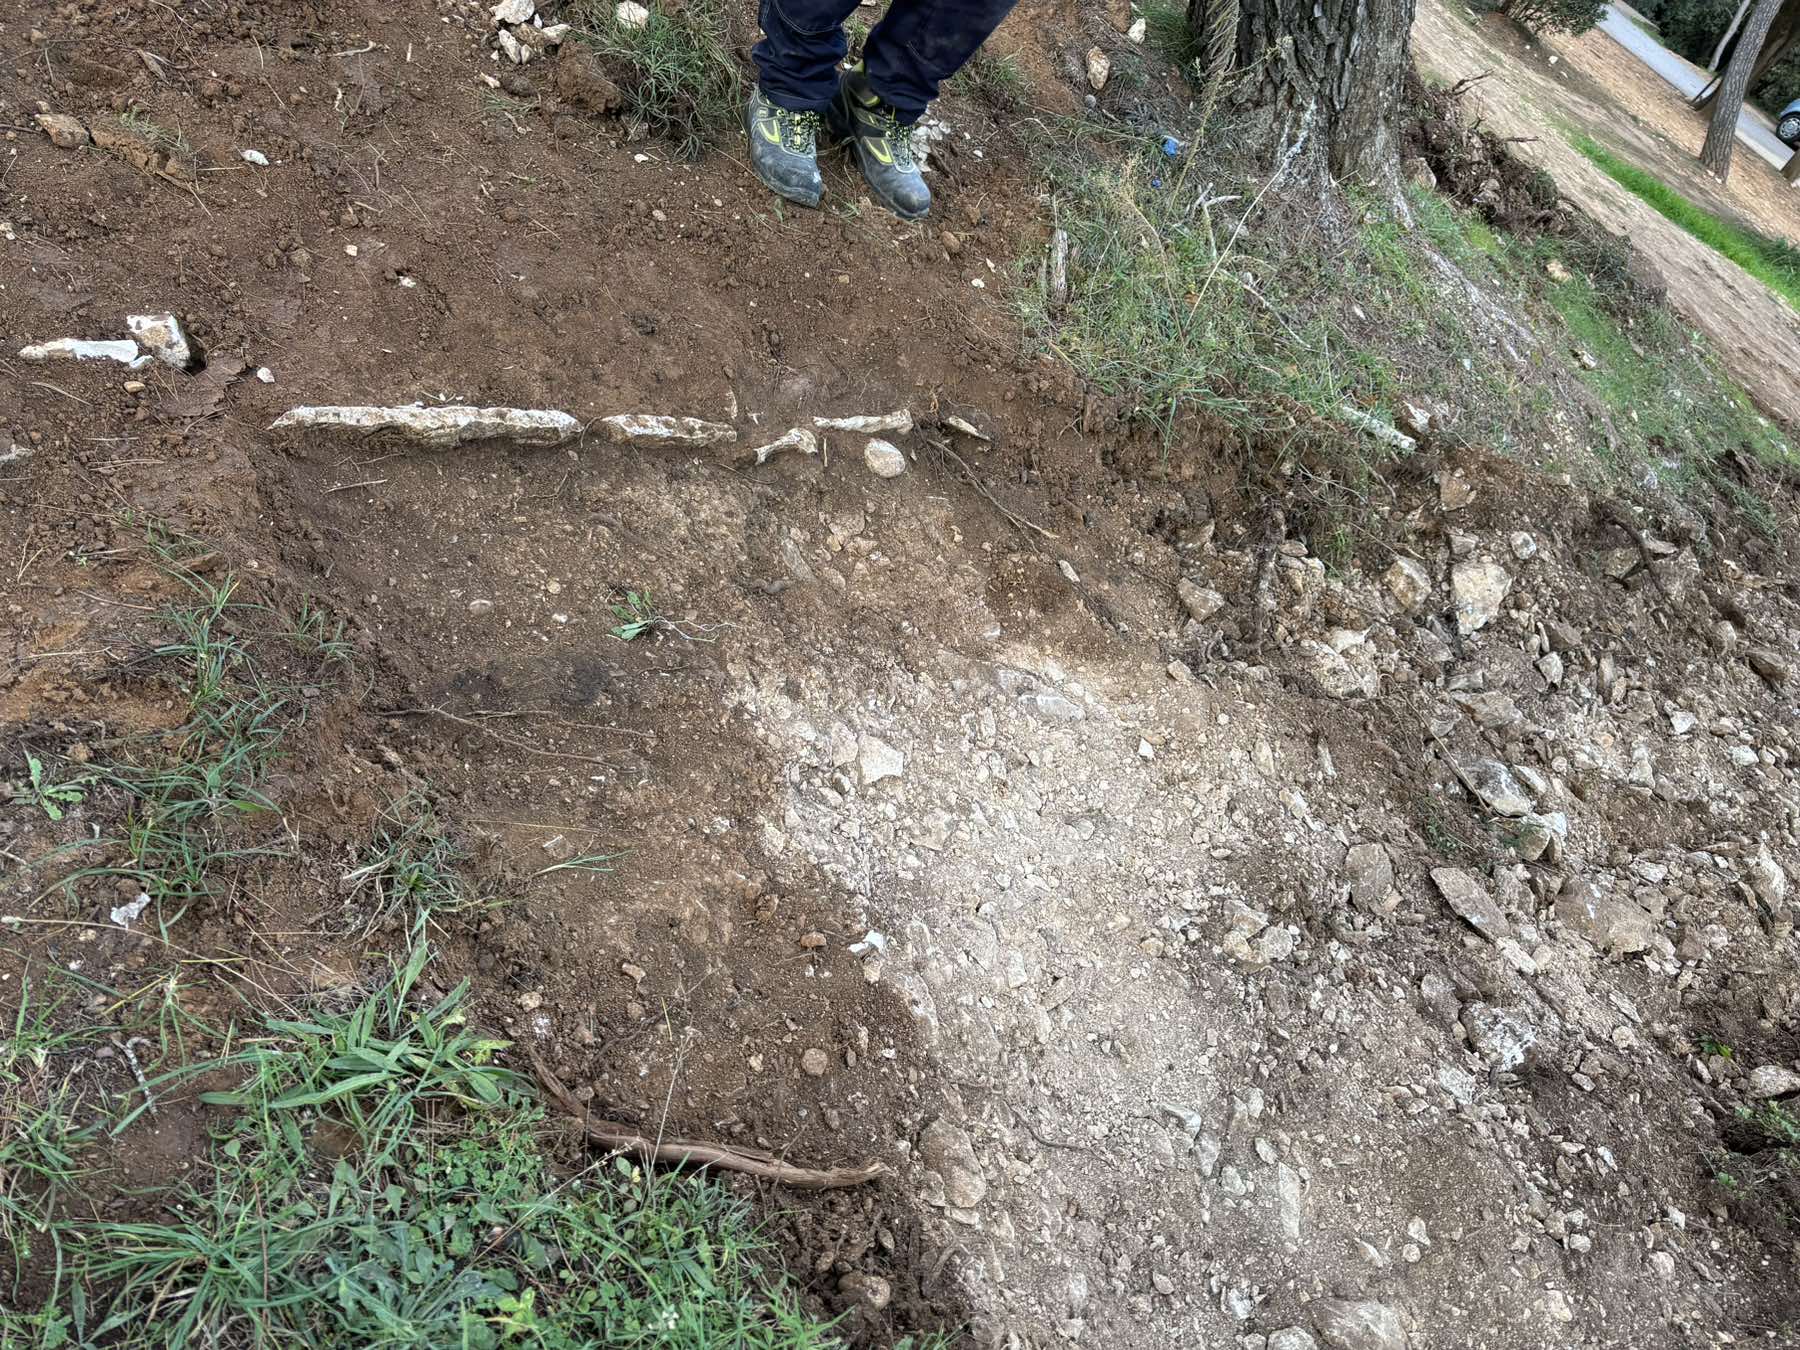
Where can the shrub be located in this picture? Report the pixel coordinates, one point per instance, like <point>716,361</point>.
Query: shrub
<point>1554,16</point>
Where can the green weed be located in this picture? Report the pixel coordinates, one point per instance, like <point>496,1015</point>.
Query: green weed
<point>377,1179</point>
<point>1774,262</point>
<point>48,796</point>
<point>637,616</point>
<point>994,78</point>
<point>679,70</point>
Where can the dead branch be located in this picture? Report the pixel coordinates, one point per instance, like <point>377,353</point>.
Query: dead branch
<point>695,1153</point>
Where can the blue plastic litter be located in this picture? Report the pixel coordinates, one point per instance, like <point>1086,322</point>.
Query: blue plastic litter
<point>1171,146</point>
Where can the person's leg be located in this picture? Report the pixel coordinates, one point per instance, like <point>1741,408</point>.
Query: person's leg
<point>796,64</point>
<point>802,43</point>
<point>921,43</point>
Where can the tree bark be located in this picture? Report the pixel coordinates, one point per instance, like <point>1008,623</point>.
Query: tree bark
<point>1318,82</point>
<point>1721,131</point>
<point>1791,170</point>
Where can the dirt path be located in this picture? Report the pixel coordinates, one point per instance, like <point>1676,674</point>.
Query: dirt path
<point>991,852</point>
<point>1593,78</point>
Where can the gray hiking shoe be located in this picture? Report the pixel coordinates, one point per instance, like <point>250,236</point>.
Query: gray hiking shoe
<point>883,145</point>
<point>784,150</point>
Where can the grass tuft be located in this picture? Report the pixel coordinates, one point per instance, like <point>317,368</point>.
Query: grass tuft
<point>1774,262</point>
<point>679,71</point>
<point>410,874</point>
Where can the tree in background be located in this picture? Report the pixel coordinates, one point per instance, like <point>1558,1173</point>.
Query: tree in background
<point>1554,16</point>
<point>1782,39</point>
<point>1728,102</point>
<point>1318,81</point>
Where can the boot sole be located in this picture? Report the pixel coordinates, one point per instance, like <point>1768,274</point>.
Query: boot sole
<point>797,196</point>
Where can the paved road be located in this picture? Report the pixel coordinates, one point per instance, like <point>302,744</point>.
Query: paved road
<point>1753,129</point>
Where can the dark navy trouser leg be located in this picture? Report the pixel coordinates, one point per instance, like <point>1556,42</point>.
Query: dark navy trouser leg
<point>917,45</point>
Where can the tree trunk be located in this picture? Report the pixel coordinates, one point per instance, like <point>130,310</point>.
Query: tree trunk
<point>1781,39</point>
<point>1721,131</point>
<point>1719,51</point>
<point>1319,80</point>
<point>1791,170</point>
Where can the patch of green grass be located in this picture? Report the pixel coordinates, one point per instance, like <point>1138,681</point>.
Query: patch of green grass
<point>183,803</point>
<point>376,1178</point>
<point>678,71</point>
<point>1774,262</point>
<point>1674,413</point>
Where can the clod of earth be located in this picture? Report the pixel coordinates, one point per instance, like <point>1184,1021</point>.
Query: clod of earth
<point>884,459</point>
<point>657,431</point>
<point>437,428</point>
<point>64,131</point>
<point>900,421</point>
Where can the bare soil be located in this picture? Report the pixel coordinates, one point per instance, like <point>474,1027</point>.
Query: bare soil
<point>1119,1111</point>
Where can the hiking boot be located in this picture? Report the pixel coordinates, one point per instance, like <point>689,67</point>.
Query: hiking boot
<point>784,150</point>
<point>883,145</point>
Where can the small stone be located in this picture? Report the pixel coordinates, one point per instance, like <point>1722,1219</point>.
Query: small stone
<point>1502,1039</point>
<point>1349,1324</point>
<point>65,132</point>
<point>1477,588</point>
<point>1550,666</point>
<point>255,157</point>
<point>1556,271</point>
<point>1767,878</point>
<point>1099,68</point>
<point>654,429</point>
<point>1408,582</point>
<point>1494,786</point>
<point>1200,602</point>
<point>163,337</point>
<point>1471,902</point>
<point>873,1292</point>
<point>1454,491</point>
<point>633,972</point>
<point>812,941</point>
<point>1139,30</point>
<point>1053,706</point>
<point>1491,709</point>
<point>512,11</point>
<point>630,14</point>
<point>480,607</point>
<point>531,1002</point>
<point>1681,721</point>
<point>1337,678</point>
<point>1162,1283</point>
<point>884,459</point>
<point>1617,926</point>
<point>1523,546</point>
<point>1370,872</point>
<point>1768,664</point>
<point>946,1149</point>
<point>814,1062</point>
<point>879,760</point>
<point>1292,1338</point>
<point>1767,1081</point>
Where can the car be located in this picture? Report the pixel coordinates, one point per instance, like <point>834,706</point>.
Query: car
<point>1787,126</point>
